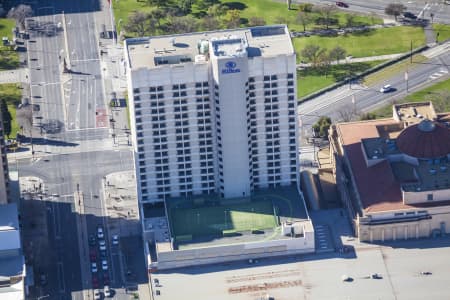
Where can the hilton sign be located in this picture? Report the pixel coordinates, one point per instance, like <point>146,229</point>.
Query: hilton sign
<point>230,67</point>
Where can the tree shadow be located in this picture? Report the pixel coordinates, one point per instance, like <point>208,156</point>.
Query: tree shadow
<point>235,5</point>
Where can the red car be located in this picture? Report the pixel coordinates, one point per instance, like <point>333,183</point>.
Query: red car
<point>93,255</point>
<point>95,282</point>
<point>341,4</point>
<point>105,278</point>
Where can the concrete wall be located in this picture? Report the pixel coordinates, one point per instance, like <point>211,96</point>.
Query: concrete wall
<point>218,254</point>
<point>438,221</point>
<point>422,196</point>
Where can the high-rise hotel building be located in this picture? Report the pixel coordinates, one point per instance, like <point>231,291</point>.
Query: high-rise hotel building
<point>213,112</point>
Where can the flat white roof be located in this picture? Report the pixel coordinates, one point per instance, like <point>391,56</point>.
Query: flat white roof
<point>265,41</point>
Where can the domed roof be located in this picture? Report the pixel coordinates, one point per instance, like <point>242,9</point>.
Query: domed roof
<point>426,139</point>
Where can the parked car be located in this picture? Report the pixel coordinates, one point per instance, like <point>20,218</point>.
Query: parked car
<point>100,234</point>
<point>93,255</point>
<point>102,245</point>
<point>386,88</point>
<point>107,291</point>
<point>104,265</point>
<point>115,240</point>
<point>409,15</point>
<point>341,4</point>
<point>97,295</point>
<point>92,240</point>
<point>94,267</point>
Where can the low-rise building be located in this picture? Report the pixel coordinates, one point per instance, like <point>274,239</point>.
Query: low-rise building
<point>12,261</point>
<point>393,174</point>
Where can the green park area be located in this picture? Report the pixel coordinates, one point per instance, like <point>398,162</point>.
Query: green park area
<point>176,16</point>
<point>310,80</point>
<point>442,32</point>
<point>9,59</point>
<point>11,93</point>
<point>370,43</point>
<point>223,220</point>
<point>438,93</point>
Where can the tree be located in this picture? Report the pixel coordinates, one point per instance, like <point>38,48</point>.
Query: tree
<point>322,126</point>
<point>20,13</point>
<point>312,54</point>
<point>350,20</point>
<point>157,3</point>
<point>394,9</point>
<point>305,7</point>
<point>337,53</point>
<point>7,118</point>
<point>139,23</point>
<point>256,21</point>
<point>182,24</point>
<point>368,116</point>
<point>232,18</point>
<point>217,10</point>
<point>440,99</point>
<point>304,19</point>
<point>185,6</point>
<point>324,61</point>
<point>209,23</point>
<point>326,13</point>
<point>347,113</point>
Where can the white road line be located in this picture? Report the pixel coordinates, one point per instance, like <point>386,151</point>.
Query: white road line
<point>60,270</point>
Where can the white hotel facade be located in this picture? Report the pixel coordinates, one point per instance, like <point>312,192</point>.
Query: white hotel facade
<point>213,112</point>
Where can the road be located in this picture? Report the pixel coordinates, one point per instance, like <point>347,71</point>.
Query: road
<point>440,10</point>
<point>358,98</point>
<point>71,128</point>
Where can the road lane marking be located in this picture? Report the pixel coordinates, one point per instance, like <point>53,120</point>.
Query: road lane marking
<point>61,284</point>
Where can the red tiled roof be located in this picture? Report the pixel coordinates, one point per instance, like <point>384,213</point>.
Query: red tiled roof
<point>377,187</point>
<point>431,143</point>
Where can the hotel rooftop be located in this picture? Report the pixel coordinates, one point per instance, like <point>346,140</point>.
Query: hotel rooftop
<point>265,41</point>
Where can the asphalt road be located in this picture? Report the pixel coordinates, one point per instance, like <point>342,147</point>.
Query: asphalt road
<point>339,102</point>
<point>68,108</point>
<point>441,11</point>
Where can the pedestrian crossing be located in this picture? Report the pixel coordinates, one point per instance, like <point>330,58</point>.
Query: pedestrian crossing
<point>438,74</point>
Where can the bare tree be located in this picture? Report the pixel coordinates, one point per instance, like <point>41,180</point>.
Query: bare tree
<point>20,13</point>
<point>337,53</point>
<point>347,113</point>
<point>210,23</point>
<point>25,119</point>
<point>312,53</point>
<point>304,19</point>
<point>395,9</point>
<point>183,24</point>
<point>138,23</point>
<point>350,20</point>
<point>256,21</point>
<point>324,61</point>
<point>326,13</point>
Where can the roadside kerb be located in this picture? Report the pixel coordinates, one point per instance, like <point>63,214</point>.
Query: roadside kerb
<point>362,74</point>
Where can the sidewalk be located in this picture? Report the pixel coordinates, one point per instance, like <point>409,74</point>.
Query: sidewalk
<point>357,60</point>
<point>13,76</point>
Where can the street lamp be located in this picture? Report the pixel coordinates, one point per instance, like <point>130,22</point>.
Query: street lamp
<point>118,27</point>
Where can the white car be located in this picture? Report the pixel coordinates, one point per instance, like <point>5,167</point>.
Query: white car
<point>94,267</point>
<point>97,294</point>
<point>100,234</point>
<point>386,88</point>
<point>104,265</point>
<point>107,291</point>
<point>115,240</point>
<point>102,245</point>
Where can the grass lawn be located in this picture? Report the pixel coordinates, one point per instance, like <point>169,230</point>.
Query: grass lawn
<point>443,30</point>
<point>376,42</point>
<point>214,220</point>
<point>8,59</point>
<point>310,81</point>
<point>427,94</point>
<point>276,12</point>
<point>12,94</point>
